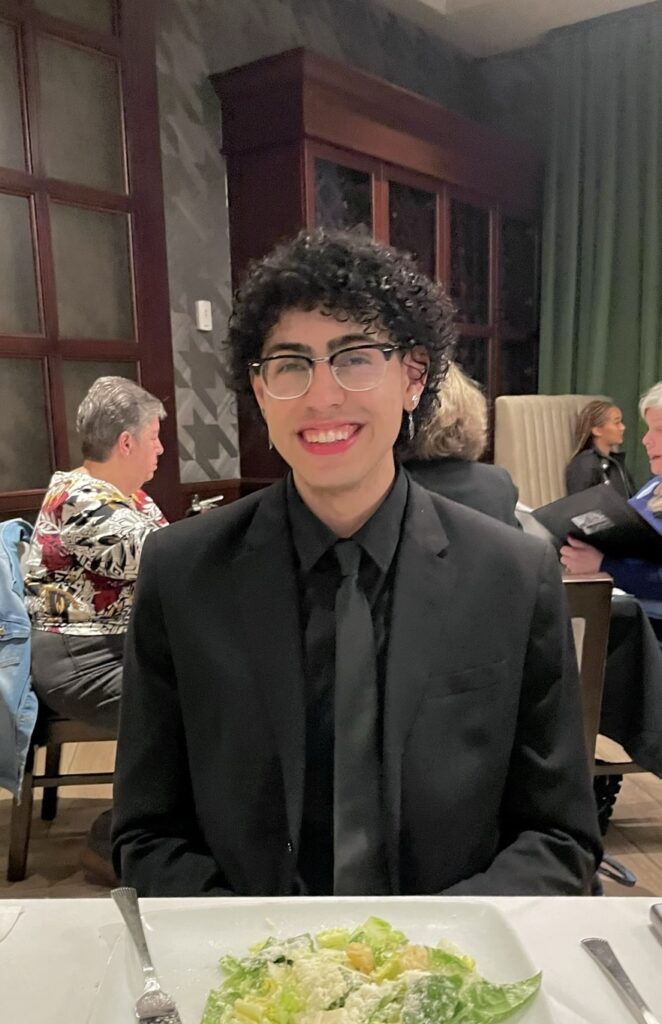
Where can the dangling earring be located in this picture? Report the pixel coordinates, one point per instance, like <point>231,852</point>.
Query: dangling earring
<point>411,426</point>
<point>271,444</point>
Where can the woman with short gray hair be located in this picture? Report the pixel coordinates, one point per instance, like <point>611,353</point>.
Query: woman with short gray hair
<point>85,550</point>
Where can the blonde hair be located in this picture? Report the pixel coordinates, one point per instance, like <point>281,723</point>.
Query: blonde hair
<point>459,429</point>
<point>592,415</point>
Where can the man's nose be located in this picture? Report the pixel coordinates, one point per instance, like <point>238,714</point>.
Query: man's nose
<point>324,390</point>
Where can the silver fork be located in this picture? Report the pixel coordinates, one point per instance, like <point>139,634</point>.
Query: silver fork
<point>154,1006</point>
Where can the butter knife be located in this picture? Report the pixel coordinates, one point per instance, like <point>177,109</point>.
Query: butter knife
<point>604,955</point>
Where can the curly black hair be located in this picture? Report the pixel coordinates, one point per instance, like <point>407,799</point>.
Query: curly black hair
<point>349,277</point>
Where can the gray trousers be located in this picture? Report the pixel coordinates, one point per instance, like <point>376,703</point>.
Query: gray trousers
<point>79,676</point>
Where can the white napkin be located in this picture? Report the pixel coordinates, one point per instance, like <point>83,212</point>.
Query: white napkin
<point>8,918</point>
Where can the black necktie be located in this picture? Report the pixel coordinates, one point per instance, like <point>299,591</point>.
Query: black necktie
<point>358,849</point>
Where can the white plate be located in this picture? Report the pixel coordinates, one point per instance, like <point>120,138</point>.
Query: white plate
<point>187,944</point>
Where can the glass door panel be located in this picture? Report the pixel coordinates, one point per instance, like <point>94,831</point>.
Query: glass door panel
<point>92,272</point>
<point>19,305</point>
<point>80,116</point>
<point>25,462</point>
<point>343,196</point>
<point>12,150</point>
<point>519,366</point>
<point>413,224</point>
<point>473,356</point>
<point>519,270</point>
<point>96,14</point>
<point>470,261</point>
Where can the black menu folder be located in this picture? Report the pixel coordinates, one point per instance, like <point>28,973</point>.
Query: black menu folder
<point>601,517</point>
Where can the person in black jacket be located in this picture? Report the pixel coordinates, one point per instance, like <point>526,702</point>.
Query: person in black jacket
<point>453,760</point>
<point>447,450</point>
<point>600,430</point>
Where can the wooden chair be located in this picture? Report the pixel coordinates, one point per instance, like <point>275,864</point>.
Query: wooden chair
<point>51,732</point>
<point>589,601</point>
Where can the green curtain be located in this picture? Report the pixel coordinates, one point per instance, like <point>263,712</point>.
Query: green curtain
<point>601,290</point>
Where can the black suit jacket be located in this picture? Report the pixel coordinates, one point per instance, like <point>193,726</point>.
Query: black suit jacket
<point>479,485</point>
<point>486,780</point>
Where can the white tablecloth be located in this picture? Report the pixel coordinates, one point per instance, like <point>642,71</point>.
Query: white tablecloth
<point>53,956</point>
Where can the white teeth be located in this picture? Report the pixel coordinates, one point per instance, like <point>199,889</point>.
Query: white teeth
<point>327,436</point>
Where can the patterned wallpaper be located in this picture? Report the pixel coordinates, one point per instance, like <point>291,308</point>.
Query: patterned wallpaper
<point>196,38</point>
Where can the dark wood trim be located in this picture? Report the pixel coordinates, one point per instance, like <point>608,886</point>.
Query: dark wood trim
<point>21,501</point>
<point>95,349</point>
<point>28,346</point>
<point>344,157</point>
<point>83,195</point>
<point>58,414</point>
<point>300,93</point>
<point>380,211</point>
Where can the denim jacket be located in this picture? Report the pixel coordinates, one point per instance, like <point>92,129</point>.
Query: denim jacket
<point>18,704</point>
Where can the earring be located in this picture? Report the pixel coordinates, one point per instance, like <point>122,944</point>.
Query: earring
<point>411,427</point>
<point>271,444</point>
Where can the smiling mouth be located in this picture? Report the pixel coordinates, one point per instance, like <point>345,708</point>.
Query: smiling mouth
<point>332,436</point>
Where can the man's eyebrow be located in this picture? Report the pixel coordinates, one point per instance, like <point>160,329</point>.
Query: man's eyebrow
<point>305,350</point>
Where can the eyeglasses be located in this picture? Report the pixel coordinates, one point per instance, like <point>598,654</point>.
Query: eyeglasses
<point>355,369</point>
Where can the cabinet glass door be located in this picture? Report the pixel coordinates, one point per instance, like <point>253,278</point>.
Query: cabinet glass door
<point>470,261</point>
<point>518,307</point>
<point>343,196</point>
<point>519,276</point>
<point>473,356</point>
<point>413,224</point>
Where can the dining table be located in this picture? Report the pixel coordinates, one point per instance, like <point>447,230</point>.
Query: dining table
<point>54,952</point>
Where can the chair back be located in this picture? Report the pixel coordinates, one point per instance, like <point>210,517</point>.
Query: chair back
<point>589,602</point>
<point>534,438</point>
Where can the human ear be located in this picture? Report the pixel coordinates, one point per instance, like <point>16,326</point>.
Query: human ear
<point>125,443</point>
<point>416,362</point>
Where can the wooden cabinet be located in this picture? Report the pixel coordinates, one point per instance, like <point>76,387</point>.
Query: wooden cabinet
<point>310,142</point>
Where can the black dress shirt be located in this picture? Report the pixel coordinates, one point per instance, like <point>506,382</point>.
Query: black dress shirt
<point>318,578</point>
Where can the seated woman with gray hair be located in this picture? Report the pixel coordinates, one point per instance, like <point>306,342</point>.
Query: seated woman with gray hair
<point>445,453</point>
<point>85,550</point>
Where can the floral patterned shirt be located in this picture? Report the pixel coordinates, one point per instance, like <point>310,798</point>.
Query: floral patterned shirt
<point>84,555</point>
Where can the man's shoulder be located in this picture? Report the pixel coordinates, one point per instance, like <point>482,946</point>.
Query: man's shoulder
<point>470,529</point>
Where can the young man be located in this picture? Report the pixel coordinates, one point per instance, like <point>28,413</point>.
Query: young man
<point>345,684</point>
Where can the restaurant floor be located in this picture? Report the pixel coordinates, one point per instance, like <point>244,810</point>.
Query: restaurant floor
<point>634,837</point>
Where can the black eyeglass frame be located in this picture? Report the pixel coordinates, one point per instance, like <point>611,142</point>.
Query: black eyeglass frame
<point>385,348</point>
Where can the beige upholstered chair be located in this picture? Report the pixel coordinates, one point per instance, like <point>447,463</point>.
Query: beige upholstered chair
<point>534,440</point>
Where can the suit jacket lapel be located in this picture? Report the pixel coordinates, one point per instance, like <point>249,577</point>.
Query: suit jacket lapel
<point>265,585</point>
<point>423,591</point>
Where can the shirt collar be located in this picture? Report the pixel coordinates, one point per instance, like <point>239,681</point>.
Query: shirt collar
<point>378,537</point>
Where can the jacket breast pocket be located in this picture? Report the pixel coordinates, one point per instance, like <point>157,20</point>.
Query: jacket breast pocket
<point>476,677</point>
